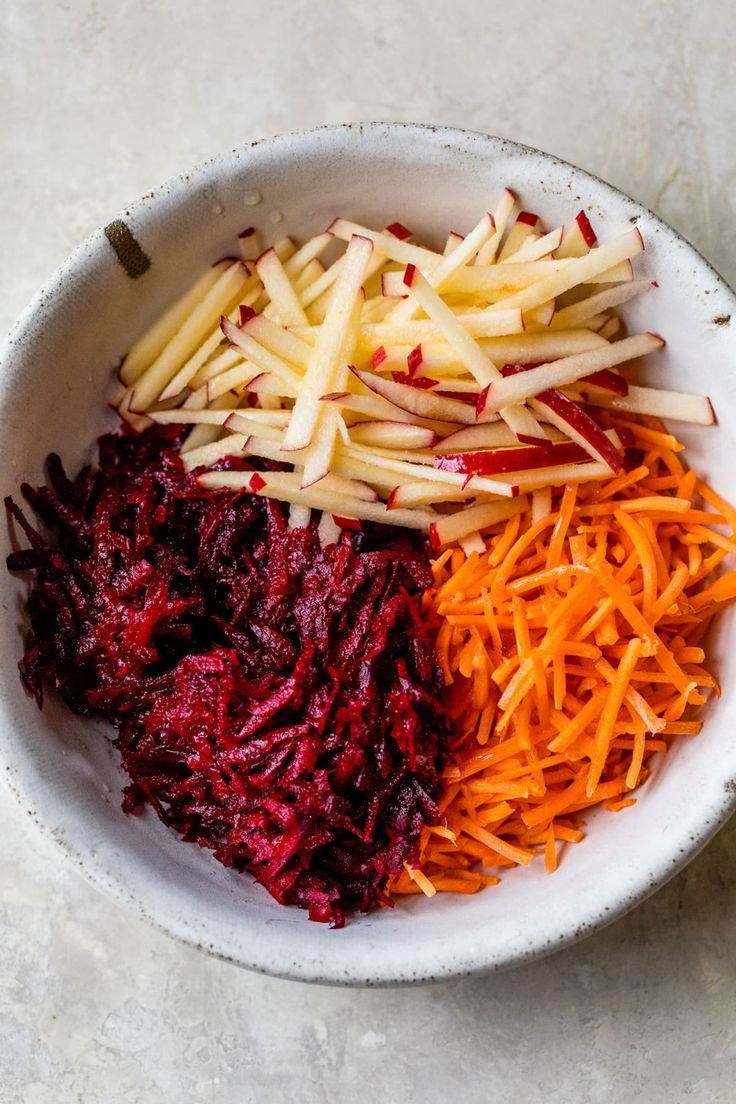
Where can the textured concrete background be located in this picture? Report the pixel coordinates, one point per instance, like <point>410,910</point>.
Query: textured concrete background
<point>102,99</point>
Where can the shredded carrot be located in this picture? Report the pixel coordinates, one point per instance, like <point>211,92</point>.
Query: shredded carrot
<point>632,775</point>
<point>550,850</point>
<point>572,651</point>
<point>617,806</point>
<point>458,885</point>
<point>562,524</point>
<point>421,880</point>
<point>613,703</point>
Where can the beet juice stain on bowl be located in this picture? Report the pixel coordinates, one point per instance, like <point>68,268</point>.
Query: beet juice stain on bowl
<point>275,701</point>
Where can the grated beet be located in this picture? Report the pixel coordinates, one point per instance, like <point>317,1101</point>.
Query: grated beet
<point>275,701</point>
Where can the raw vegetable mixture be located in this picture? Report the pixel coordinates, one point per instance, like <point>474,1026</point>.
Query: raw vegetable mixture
<point>393,571</point>
<point>275,701</point>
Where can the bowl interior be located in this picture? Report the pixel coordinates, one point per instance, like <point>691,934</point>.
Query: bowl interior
<point>57,371</point>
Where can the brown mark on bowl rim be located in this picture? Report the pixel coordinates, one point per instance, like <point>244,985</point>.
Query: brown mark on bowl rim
<point>127,249</point>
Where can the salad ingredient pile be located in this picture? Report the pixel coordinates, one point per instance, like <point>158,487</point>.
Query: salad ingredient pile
<point>406,386</point>
<point>275,701</point>
<point>394,571</point>
<point>572,648</point>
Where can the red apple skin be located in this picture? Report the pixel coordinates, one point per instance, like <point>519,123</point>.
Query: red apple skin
<point>378,357</point>
<point>499,461</point>
<point>575,416</point>
<point>528,218</point>
<point>410,274</point>
<point>582,422</point>
<point>424,383</point>
<point>514,369</point>
<point>253,385</point>
<point>394,499</point>
<point>227,328</point>
<point>609,381</point>
<point>264,254</point>
<point>397,230</point>
<point>246,313</point>
<point>414,360</point>
<point>257,482</point>
<point>468,397</point>
<point>626,436</point>
<point>480,406</point>
<point>589,235</point>
<point>378,384</point>
<point>347,523</point>
<point>528,439</point>
<point>482,400</point>
<point>334,396</point>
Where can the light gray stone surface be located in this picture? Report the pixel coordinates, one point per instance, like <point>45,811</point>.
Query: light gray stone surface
<point>102,99</point>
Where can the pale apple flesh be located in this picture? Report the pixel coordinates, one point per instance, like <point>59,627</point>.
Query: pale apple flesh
<point>402,384</point>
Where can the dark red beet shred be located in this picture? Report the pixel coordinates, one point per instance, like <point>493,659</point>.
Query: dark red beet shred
<point>275,701</point>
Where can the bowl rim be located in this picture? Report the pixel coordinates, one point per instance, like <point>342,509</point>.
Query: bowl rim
<point>427,968</point>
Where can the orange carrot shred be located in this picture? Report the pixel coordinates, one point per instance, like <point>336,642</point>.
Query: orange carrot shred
<point>421,880</point>
<point>572,650</point>
<point>550,850</point>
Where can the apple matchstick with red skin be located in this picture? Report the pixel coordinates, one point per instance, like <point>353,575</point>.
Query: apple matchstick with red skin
<point>569,417</point>
<point>416,401</point>
<point>487,435</point>
<point>608,380</point>
<point>579,238</point>
<point>424,383</point>
<point>469,397</point>
<point>452,527</point>
<point>398,230</point>
<point>352,524</point>
<point>378,357</point>
<point>587,231</point>
<point>526,458</point>
<point>569,370</point>
<point>435,411</point>
<point>414,360</point>
<point>604,378</point>
<point>376,408</point>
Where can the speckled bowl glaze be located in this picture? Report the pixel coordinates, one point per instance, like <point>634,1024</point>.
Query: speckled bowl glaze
<point>56,374</point>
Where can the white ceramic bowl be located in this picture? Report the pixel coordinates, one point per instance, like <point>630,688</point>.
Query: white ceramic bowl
<point>56,372</point>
